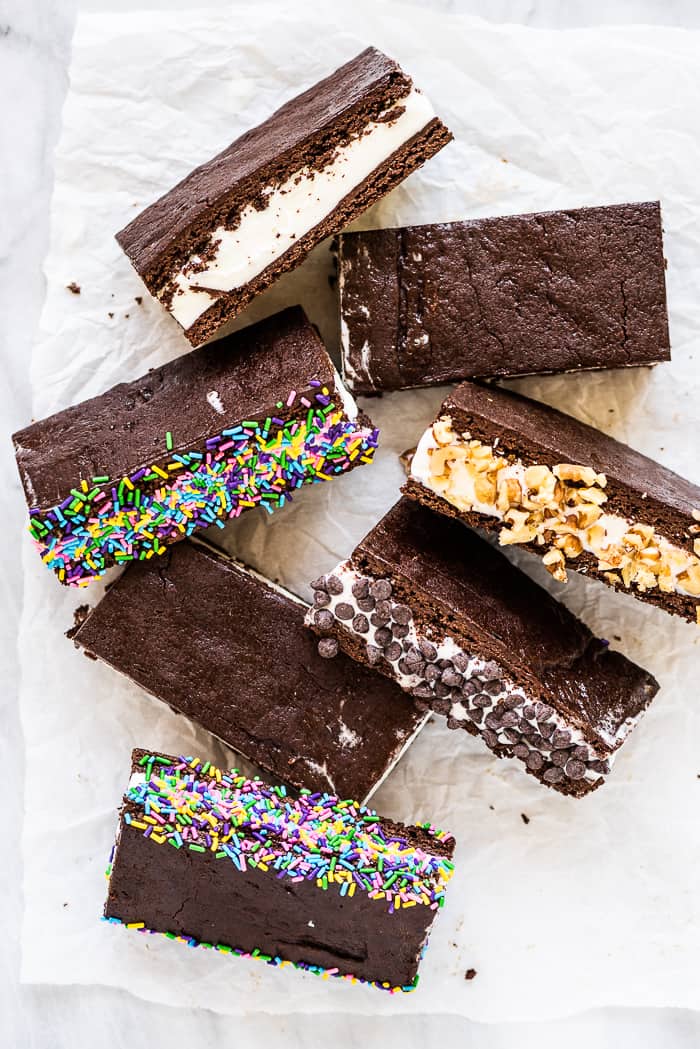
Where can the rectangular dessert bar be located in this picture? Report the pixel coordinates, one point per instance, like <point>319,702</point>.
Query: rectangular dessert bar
<point>253,212</point>
<point>316,882</point>
<point>579,499</point>
<point>550,292</point>
<point>445,615</point>
<point>188,445</point>
<point>228,649</point>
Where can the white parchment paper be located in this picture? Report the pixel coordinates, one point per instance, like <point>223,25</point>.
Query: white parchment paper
<point>590,903</point>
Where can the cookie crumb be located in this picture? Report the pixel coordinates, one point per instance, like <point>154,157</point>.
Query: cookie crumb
<point>524,818</point>
<point>470,974</point>
<point>110,315</point>
<point>73,287</point>
<point>79,616</point>
<point>138,299</point>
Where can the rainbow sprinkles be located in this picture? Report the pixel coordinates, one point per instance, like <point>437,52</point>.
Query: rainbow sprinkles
<point>338,845</point>
<point>255,463</point>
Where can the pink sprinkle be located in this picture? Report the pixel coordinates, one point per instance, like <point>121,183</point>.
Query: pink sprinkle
<point>290,399</point>
<point>307,404</point>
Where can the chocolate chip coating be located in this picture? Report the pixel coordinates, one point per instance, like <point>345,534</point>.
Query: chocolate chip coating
<point>328,647</point>
<point>380,589</point>
<point>321,598</point>
<point>402,614</point>
<point>334,585</point>
<point>392,651</point>
<point>360,588</point>
<point>343,610</point>
<point>360,623</point>
<point>324,619</point>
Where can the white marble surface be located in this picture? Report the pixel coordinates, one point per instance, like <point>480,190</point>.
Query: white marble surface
<point>34,54</point>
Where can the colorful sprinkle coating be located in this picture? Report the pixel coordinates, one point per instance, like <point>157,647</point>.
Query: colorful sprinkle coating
<point>315,837</point>
<point>318,970</point>
<point>252,464</point>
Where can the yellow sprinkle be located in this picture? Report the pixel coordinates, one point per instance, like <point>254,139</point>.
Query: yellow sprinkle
<point>161,473</point>
<point>128,483</point>
<point>136,925</point>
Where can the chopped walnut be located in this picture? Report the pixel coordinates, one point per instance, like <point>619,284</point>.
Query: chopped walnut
<point>560,509</point>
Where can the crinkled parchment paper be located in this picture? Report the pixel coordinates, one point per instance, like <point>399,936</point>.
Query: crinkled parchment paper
<point>590,903</point>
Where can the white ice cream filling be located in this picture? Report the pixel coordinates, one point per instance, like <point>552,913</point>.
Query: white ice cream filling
<point>235,256</point>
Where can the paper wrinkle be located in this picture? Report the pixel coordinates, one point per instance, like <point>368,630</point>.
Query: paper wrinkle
<point>594,902</point>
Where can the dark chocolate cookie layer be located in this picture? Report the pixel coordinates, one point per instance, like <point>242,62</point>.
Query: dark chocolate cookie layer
<point>517,295</point>
<point>222,647</point>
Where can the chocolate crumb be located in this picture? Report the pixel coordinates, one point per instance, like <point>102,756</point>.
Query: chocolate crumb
<point>79,616</point>
<point>110,315</point>
<point>524,818</point>
<point>73,287</point>
<point>406,458</point>
<point>138,299</point>
<point>470,974</point>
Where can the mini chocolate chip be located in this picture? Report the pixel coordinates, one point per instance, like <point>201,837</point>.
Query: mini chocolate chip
<point>535,761</point>
<point>383,608</point>
<point>377,620</point>
<point>413,654</point>
<point>360,588</point>
<point>374,655</point>
<point>561,738</point>
<point>431,673</point>
<point>444,663</point>
<point>522,751</point>
<point>451,677</point>
<point>559,757</point>
<point>575,769</point>
<point>476,715</point>
<point>400,631</point>
<point>366,604</point>
<point>422,692</point>
<point>454,723</point>
<point>553,776</point>
<point>441,705</point>
<point>405,667</point>
<point>510,718</point>
<point>334,585</point>
<point>469,687</point>
<point>344,611</point>
<point>402,614</point>
<point>380,589</point>
<point>543,711</point>
<point>428,650</point>
<point>442,690</point>
<point>513,735</point>
<point>546,728</point>
<point>392,651</point>
<point>490,670</point>
<point>602,767</point>
<point>530,712</point>
<point>493,686</point>
<point>360,624</point>
<point>580,753</point>
<point>482,700</point>
<point>536,741</point>
<point>319,584</point>
<point>421,705</point>
<point>328,647</point>
<point>321,598</point>
<point>461,661</point>
<point>324,619</point>
<point>513,701</point>
<point>490,738</point>
<point>382,636</point>
<point>492,720</point>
